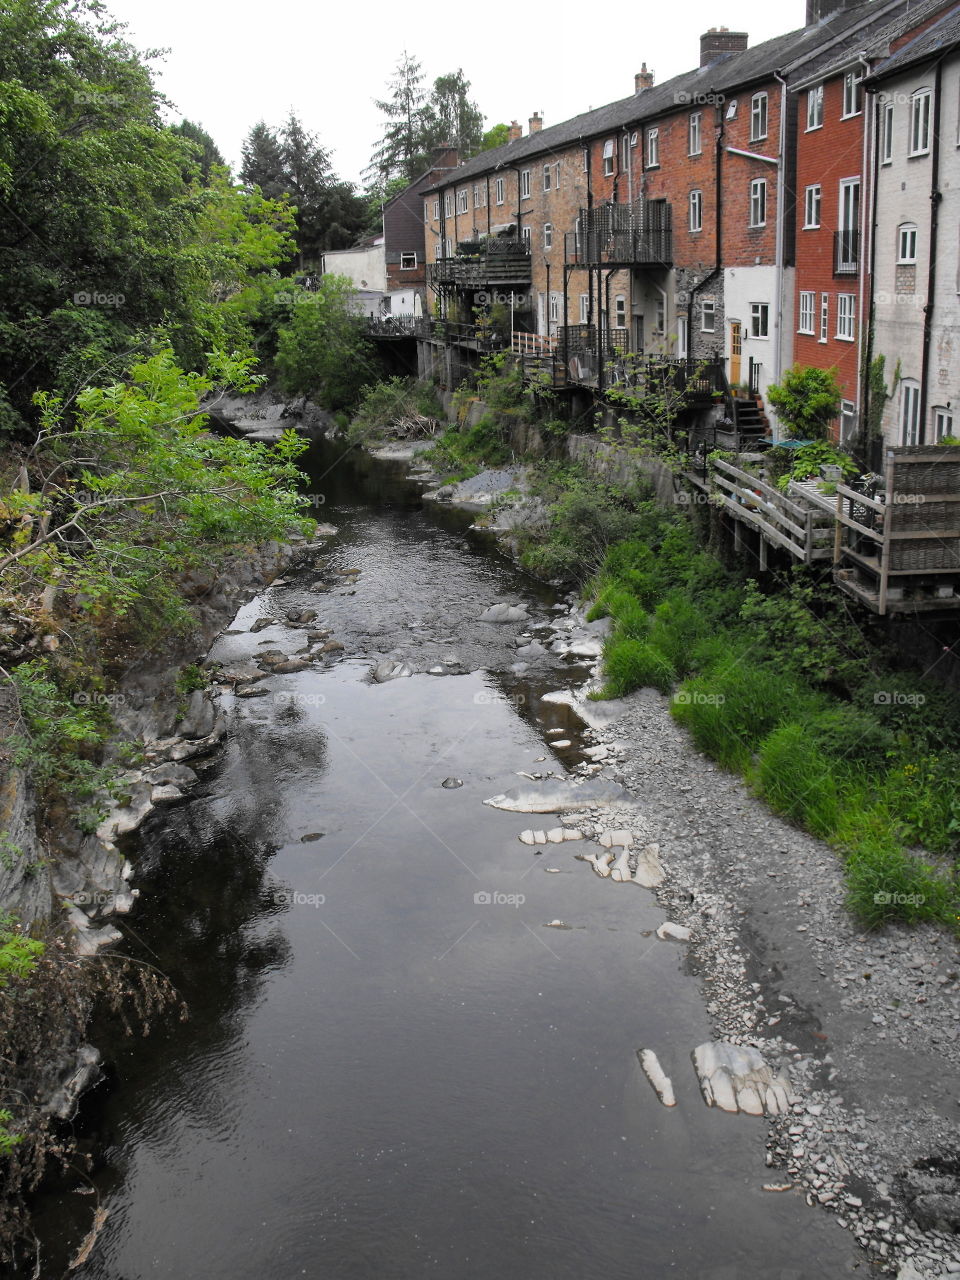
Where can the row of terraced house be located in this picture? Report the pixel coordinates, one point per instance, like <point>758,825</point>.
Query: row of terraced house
<point>790,203</point>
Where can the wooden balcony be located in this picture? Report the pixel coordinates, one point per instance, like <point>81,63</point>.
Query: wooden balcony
<point>500,265</point>
<point>623,235</point>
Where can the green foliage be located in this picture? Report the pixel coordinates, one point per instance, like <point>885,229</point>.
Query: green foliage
<point>809,458</point>
<point>796,779</point>
<point>851,736</point>
<point>877,398</point>
<point>807,400</point>
<point>634,664</point>
<point>18,957</point>
<point>190,678</point>
<point>383,403</point>
<point>322,352</point>
<point>586,521</point>
<point>498,135</point>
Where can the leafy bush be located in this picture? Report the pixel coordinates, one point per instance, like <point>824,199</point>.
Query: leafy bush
<point>885,883</point>
<point>809,458</point>
<point>807,400</point>
<point>847,734</point>
<point>796,779</point>
<point>634,664</point>
<point>677,626</point>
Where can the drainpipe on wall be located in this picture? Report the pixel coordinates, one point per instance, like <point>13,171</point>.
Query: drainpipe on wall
<point>718,237</point>
<point>868,168</point>
<point>865,444</point>
<point>781,238</point>
<point>935,197</point>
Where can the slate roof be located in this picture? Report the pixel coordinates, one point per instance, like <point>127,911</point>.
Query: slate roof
<point>727,72</point>
<point>929,45</point>
<point>872,38</point>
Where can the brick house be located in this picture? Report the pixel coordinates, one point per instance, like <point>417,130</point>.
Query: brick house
<point>403,224</point>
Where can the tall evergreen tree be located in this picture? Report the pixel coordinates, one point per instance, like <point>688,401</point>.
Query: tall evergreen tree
<point>454,119</point>
<point>402,150</point>
<point>262,162</point>
<point>208,151</point>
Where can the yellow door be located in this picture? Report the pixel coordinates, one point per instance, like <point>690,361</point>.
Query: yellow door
<point>736,346</point>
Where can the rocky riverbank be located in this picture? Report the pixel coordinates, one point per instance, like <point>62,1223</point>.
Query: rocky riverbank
<point>865,1027</point>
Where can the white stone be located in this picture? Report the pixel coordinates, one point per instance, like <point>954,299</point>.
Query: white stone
<point>528,837</point>
<point>649,872</point>
<point>600,862</point>
<point>678,932</point>
<point>620,870</point>
<point>555,835</point>
<point>736,1078</point>
<point>657,1077</point>
<point>620,837</point>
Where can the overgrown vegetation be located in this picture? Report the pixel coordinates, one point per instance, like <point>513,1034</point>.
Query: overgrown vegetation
<point>385,404</point>
<point>807,400</point>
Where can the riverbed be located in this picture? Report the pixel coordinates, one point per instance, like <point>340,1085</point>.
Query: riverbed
<point>413,1039</point>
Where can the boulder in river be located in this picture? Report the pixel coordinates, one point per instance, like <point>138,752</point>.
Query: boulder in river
<point>657,1077</point>
<point>734,1077</point>
<point>504,613</point>
<point>557,794</point>
<point>390,669</point>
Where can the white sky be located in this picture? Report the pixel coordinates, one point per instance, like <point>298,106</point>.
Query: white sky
<point>230,65</point>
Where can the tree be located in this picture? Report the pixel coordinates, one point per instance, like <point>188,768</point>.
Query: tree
<point>208,151</point>
<point>321,352</point>
<point>454,119</point>
<point>807,400</point>
<point>401,151</point>
<point>262,162</point>
<point>496,136</point>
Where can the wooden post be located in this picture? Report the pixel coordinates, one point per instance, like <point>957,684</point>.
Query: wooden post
<point>838,531</point>
<point>885,544</point>
<point>763,554</point>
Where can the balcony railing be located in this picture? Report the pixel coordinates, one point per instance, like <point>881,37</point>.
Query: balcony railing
<point>628,235</point>
<point>483,264</point>
<point>400,326</point>
<point>846,253</point>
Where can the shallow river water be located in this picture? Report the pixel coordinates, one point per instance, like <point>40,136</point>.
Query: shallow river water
<point>386,1074</point>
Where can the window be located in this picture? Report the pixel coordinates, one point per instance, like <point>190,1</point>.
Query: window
<point>942,423</point>
<point>848,422</point>
<point>448,204</point>
<point>653,148</point>
<point>584,308</point>
<point>438,251</point>
<point>696,210</point>
<point>448,248</point>
<point>478,194</point>
<point>608,158</point>
<point>694,138</point>
<point>625,153</point>
<point>808,303</point>
<point>426,210</point>
<point>920,123</point>
<point>909,411</point>
<point>526,235</point>
<point>548,235</point>
<point>708,316</point>
<point>620,312</point>
<point>846,312</point>
<point>824,317</point>
<point>633,138</point>
<point>436,210</point>
<point>547,177</point>
<point>555,302</point>
<point>463,200</point>
<point>759,320</point>
<point>586,159</point>
<point>758,117</point>
<point>660,319</point>
<point>907,244</point>
<point>524,184</point>
<point>815,108</point>
<point>851,94</point>
<point>758,202</point>
<point>499,191</point>
<point>811,207</point>
<point>408,261</point>
<point>886,134</point>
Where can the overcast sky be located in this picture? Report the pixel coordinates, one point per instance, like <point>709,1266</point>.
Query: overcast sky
<point>231,65</point>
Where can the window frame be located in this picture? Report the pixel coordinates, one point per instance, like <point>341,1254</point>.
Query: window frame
<point>620,310</point>
<point>941,415</point>
<point>923,99</point>
<point>584,308</point>
<point>547,177</point>
<point>808,312</point>
<point>695,205</point>
<point>463,200</point>
<point>609,152</point>
<point>814,108</point>
<point>695,134</point>
<point>708,306</point>
<point>653,148</point>
<point>410,266</point>
<point>499,191</point>
<point>759,111</point>
<point>811,200</point>
<point>886,133</point>
<point>846,317</point>
<point>478,195</point>
<point>824,318</point>
<point>760,319</point>
<point>909,404</point>
<point>906,229</point>
<point>852,101</point>
<point>448,204</point>
<point>758,200</point>
<point>547,237</point>
<point>524,184</point>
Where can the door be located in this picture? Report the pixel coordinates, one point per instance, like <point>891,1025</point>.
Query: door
<point>736,350</point>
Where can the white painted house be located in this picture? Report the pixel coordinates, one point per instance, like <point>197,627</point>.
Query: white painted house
<point>916,273</point>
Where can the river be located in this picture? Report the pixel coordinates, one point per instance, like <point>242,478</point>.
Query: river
<point>385,1074</point>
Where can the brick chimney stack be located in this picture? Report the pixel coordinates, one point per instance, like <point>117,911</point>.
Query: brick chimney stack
<point>536,122</point>
<point>516,131</point>
<point>642,80</point>
<point>720,40</point>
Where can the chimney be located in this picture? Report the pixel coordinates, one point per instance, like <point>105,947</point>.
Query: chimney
<point>642,80</point>
<point>515,132</point>
<point>720,40</point>
<point>819,9</point>
<point>536,122</point>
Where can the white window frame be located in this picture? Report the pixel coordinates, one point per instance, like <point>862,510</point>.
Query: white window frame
<point>708,310</point>
<point>620,311</point>
<point>846,317</point>
<point>812,206</point>
<point>886,133</point>
<point>499,191</point>
<point>807,312</point>
<point>426,212</point>
<point>524,184</point>
<point>438,251</point>
<point>409,266</point>
<point>920,106</point>
<point>660,318</point>
<point>815,108</point>
<point>625,153</point>
<point>759,110</point>
<point>463,200</point>
<point>758,202</point>
<point>907,244</point>
<point>436,210</point>
<point>526,235</point>
<point>852,95</point>
<point>448,204</point>
<point>547,236</point>
<point>609,151</point>
<point>824,318</point>
<point>586,159</point>
<point>909,411</point>
<point>696,210</point>
<point>653,148</point>
<point>760,320</point>
<point>584,308</point>
<point>547,177</point>
<point>554,307</point>
<point>478,195</point>
<point>695,134</point>
<point>942,422</point>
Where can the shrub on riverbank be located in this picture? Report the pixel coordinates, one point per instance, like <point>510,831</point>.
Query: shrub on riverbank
<point>384,404</point>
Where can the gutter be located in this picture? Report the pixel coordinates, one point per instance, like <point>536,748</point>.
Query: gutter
<point>754,155</point>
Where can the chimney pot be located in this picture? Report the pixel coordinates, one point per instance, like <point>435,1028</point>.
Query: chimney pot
<point>536,122</point>
<point>515,132</point>
<point>643,79</point>
<point>720,40</point>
